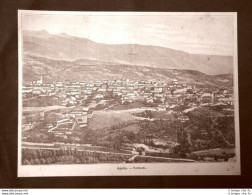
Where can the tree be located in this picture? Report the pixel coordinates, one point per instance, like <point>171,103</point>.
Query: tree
<point>148,114</point>
<point>218,140</point>
<point>32,162</point>
<point>131,136</point>
<point>26,162</point>
<point>189,91</point>
<point>126,103</point>
<point>48,160</point>
<point>37,161</point>
<point>185,145</point>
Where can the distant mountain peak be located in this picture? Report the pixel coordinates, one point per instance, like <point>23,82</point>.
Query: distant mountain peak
<point>38,32</point>
<point>43,31</point>
<point>63,34</point>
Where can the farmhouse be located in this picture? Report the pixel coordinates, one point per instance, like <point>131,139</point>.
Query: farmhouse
<point>183,118</point>
<point>98,96</point>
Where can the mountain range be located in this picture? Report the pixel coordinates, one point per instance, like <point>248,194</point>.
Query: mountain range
<point>76,51</point>
<point>50,70</point>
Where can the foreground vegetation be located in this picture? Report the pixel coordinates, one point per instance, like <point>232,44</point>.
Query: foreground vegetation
<point>208,128</point>
<point>69,156</point>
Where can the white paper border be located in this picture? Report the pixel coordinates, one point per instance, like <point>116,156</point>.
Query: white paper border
<point>210,168</point>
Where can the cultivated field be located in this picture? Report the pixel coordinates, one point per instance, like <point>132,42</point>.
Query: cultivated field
<point>41,109</point>
<point>106,119</point>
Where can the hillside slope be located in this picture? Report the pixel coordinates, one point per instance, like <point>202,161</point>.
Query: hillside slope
<point>55,70</point>
<point>65,47</point>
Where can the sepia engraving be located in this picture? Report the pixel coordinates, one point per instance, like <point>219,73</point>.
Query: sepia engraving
<point>127,92</point>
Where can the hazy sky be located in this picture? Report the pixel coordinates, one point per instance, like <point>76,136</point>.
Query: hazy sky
<point>193,33</point>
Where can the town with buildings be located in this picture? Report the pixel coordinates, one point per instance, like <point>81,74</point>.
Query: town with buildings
<point>160,120</point>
